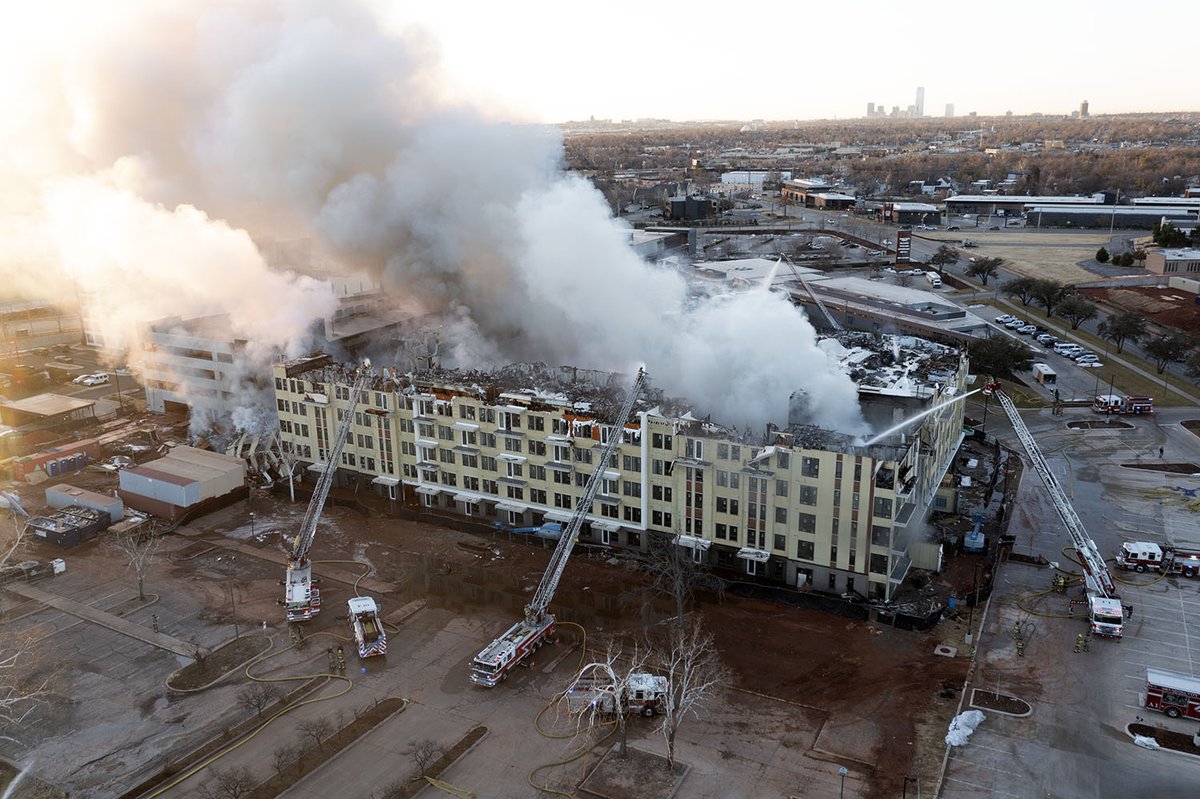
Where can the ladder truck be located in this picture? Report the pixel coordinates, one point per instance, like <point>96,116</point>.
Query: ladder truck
<point>833,322</point>
<point>1105,612</point>
<point>368,628</point>
<point>301,599</point>
<point>493,663</point>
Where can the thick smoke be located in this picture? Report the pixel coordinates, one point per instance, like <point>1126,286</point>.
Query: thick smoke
<point>193,133</point>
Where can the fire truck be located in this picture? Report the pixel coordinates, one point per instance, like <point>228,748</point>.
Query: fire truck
<point>301,597</point>
<point>644,694</point>
<point>1115,404</point>
<point>1105,612</point>
<point>492,664</point>
<point>1177,695</point>
<point>368,629</point>
<point>1142,555</point>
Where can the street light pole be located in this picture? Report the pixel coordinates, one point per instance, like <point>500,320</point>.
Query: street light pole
<point>843,771</point>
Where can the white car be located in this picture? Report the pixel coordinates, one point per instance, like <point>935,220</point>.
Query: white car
<point>1004,319</point>
<point>1027,330</point>
<point>1086,356</point>
<point>94,380</point>
<point>1070,350</point>
<point>915,272</point>
<point>1015,323</point>
<point>890,269</point>
<point>1090,365</point>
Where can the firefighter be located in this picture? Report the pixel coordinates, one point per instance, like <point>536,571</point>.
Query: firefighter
<point>1078,642</point>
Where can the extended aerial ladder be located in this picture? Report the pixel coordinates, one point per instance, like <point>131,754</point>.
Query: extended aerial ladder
<point>301,599</point>
<point>493,663</point>
<point>833,322</point>
<point>1105,609</point>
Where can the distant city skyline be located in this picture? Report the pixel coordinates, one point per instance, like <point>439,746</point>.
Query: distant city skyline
<point>654,61</point>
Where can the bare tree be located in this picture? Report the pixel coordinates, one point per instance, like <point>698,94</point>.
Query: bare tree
<point>139,547</point>
<point>675,574</point>
<point>694,674</point>
<point>606,687</point>
<point>257,696</point>
<point>424,753</point>
<point>23,688</point>
<point>235,783</point>
<point>317,729</point>
<point>285,755</point>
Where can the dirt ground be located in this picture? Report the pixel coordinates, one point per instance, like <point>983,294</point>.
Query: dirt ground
<point>1166,306</point>
<point>1054,254</point>
<point>877,692</point>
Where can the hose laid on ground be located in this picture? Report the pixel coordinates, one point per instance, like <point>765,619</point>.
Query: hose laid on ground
<point>556,736</point>
<point>250,736</point>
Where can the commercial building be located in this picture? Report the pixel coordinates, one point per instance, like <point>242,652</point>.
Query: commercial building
<point>915,213</point>
<point>803,191</point>
<point>62,496</point>
<point>183,479</point>
<point>1174,261</point>
<point>797,506</point>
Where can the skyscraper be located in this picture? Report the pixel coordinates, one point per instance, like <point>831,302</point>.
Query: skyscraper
<point>920,109</point>
<point>1083,109</point>
<point>949,109</point>
<point>870,109</point>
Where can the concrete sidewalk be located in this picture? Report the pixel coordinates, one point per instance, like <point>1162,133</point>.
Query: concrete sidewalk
<point>105,619</point>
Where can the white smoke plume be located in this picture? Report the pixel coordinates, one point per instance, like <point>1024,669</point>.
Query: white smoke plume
<point>173,145</point>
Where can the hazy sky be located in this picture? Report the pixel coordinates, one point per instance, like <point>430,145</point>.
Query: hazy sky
<point>553,61</point>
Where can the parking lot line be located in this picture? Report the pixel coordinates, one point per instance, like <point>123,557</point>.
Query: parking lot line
<point>991,790</point>
<point>1156,655</point>
<point>1186,639</point>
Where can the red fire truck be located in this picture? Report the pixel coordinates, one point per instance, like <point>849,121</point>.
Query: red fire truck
<point>1177,695</point>
<point>1114,404</point>
<point>1142,555</point>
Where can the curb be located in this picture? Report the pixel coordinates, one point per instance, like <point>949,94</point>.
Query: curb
<point>206,686</point>
<point>1161,748</point>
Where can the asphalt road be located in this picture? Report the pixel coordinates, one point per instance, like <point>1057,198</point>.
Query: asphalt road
<point>1074,744</point>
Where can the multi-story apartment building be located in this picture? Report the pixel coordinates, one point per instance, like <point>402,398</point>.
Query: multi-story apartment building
<point>799,506</point>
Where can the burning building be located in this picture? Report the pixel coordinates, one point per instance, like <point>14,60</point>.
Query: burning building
<point>801,504</point>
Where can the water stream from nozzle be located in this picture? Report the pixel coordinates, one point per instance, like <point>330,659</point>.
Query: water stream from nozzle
<point>898,427</point>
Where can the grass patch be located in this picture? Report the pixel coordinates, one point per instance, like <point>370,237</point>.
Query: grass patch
<point>218,663</point>
<point>639,775</point>
<point>1192,426</point>
<point>437,767</point>
<point>1124,380</point>
<point>1167,739</point>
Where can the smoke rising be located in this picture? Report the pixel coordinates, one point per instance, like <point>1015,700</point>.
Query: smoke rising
<point>198,130</point>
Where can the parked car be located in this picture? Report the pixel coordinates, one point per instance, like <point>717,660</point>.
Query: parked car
<point>94,380</point>
<point>1042,337</point>
<point>1015,323</point>
<point>874,253</point>
<point>63,358</point>
<point>1086,356</point>
<point>890,269</point>
<point>915,272</point>
<point>994,227</point>
<point>1050,342</point>
<point>954,227</point>
<point>1090,365</point>
<point>1004,318</point>
<point>1069,350</point>
<point>1027,330</point>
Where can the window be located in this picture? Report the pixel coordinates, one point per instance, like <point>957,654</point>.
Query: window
<point>631,488</point>
<point>515,470</point>
<point>512,444</point>
<point>633,514</point>
<point>466,412</point>
<point>537,423</point>
<point>633,539</point>
<point>446,456</point>
<point>879,564</point>
<point>883,507</point>
<point>488,463</point>
<point>489,487</point>
<point>722,505</point>
<point>631,463</point>
<point>781,488</point>
<point>733,507</point>
<point>805,550</point>
<point>470,461</point>
<point>694,448</point>
<point>515,493</point>
<point>537,448</point>
<point>880,535</point>
<point>723,451</point>
<point>537,472</point>
<point>780,542</point>
<point>781,515</point>
<point>810,467</point>
<point>722,478</point>
<point>450,479</point>
<point>783,459</point>
<point>562,501</point>
<point>837,471</point>
<point>808,495</point>
<point>854,501</point>
<point>562,478</point>
<point>445,433</point>
<point>735,480</point>
<point>719,531</point>
<point>733,533</point>
<point>807,522</point>
<point>735,452</point>
<point>488,439</point>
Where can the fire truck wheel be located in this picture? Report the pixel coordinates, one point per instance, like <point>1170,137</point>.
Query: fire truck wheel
<point>648,712</point>
<point>1140,568</point>
<point>1173,712</point>
<point>504,676</point>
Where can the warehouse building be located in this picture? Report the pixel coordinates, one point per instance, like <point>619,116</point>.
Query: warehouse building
<point>1127,217</point>
<point>185,479</point>
<point>804,191</point>
<point>797,506</point>
<point>1010,204</point>
<point>915,213</point>
<point>48,412</point>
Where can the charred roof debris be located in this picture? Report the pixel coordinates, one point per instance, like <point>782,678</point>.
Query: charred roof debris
<point>894,374</point>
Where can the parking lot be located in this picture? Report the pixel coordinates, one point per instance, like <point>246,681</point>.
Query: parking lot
<point>1074,742</point>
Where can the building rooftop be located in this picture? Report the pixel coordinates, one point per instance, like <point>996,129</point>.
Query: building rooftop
<point>215,327</point>
<point>1022,198</point>
<point>47,404</point>
<point>1182,254</point>
<point>1114,210</point>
